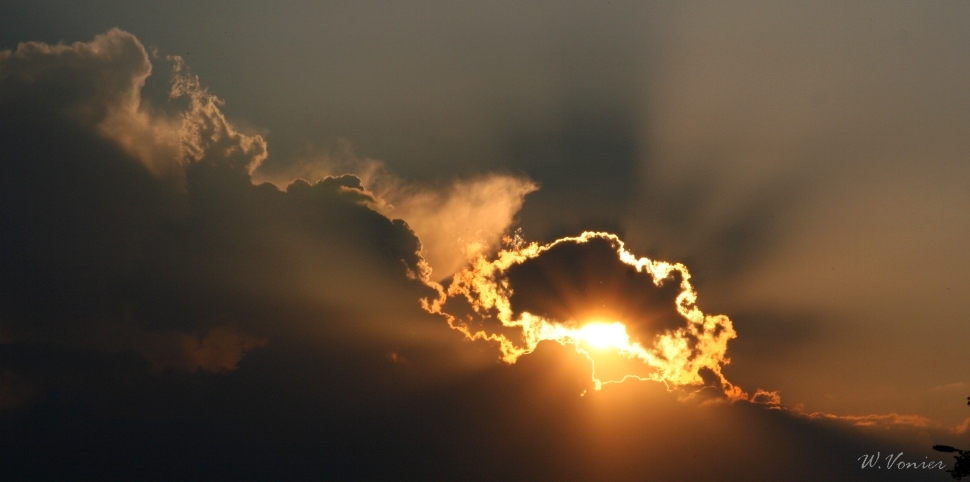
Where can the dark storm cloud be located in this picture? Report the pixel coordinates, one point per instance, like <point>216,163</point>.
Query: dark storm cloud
<point>291,320</point>
<point>520,422</point>
<point>101,250</point>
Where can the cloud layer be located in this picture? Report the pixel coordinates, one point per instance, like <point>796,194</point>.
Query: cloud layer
<point>455,222</point>
<point>590,292</point>
<point>128,228</point>
<point>162,314</point>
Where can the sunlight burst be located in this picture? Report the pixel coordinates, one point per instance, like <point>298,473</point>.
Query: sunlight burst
<point>602,336</point>
<point>674,357</point>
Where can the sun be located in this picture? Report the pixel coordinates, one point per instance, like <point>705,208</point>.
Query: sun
<point>672,356</point>
<point>602,336</point>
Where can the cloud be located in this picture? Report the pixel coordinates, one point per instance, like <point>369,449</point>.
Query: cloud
<point>219,350</point>
<point>590,292</point>
<point>127,227</point>
<point>879,420</point>
<point>455,222</point>
<point>160,311</point>
<point>96,85</point>
<point>962,428</point>
<point>764,397</point>
<point>460,222</point>
<point>950,387</point>
<point>88,82</point>
<point>205,133</point>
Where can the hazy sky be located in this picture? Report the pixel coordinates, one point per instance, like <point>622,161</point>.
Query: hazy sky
<point>163,311</point>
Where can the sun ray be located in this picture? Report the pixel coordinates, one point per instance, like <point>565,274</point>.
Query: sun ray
<point>676,357</point>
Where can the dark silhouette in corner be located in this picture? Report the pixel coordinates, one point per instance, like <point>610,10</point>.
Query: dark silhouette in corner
<point>961,468</point>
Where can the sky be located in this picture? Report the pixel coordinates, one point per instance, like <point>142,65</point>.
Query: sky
<point>344,240</point>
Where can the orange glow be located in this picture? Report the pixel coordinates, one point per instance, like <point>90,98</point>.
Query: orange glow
<point>673,357</point>
<point>602,336</point>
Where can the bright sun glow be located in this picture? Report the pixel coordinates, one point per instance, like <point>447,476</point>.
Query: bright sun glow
<point>674,357</point>
<point>604,335</point>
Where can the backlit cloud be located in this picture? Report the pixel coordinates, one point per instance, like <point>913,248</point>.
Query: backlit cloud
<point>162,307</point>
<point>590,292</point>
<point>130,227</point>
<point>455,222</point>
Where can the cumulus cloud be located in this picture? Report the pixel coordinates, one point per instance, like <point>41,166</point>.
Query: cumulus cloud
<point>462,221</point>
<point>455,222</point>
<point>130,228</point>
<point>94,79</point>
<point>590,292</point>
<point>98,86</point>
<point>205,133</point>
<point>153,292</point>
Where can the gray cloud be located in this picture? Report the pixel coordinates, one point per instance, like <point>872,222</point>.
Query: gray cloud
<point>120,278</point>
<point>103,249</point>
<point>455,221</point>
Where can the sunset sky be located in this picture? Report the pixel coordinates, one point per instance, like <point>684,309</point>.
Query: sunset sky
<point>344,240</point>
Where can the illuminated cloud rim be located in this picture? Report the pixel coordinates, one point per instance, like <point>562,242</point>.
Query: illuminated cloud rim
<point>680,358</point>
<point>103,80</point>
